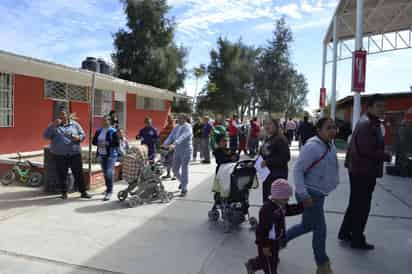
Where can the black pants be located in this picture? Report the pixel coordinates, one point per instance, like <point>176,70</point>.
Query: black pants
<point>267,185</point>
<point>268,264</point>
<point>357,213</point>
<point>74,162</point>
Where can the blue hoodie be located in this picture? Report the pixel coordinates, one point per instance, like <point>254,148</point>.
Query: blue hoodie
<point>323,177</point>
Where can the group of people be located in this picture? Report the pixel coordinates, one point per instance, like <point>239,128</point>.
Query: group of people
<point>315,172</point>
<point>316,175</point>
<point>299,130</point>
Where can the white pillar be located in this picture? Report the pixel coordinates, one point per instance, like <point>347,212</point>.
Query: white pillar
<point>91,116</point>
<point>358,46</point>
<point>334,68</point>
<point>324,61</point>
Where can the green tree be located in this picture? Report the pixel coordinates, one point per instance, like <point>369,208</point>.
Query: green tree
<point>230,78</point>
<point>198,72</point>
<point>274,69</point>
<point>145,51</point>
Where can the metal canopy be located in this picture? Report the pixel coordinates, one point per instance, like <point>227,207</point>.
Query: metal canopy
<point>380,17</point>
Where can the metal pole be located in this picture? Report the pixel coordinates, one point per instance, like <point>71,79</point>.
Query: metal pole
<point>334,69</point>
<point>324,57</point>
<point>91,115</point>
<point>358,46</point>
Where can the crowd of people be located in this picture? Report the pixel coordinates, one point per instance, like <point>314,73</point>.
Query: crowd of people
<point>315,172</point>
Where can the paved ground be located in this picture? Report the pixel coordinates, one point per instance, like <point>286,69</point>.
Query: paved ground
<point>43,234</point>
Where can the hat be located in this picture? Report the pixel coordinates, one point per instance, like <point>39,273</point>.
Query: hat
<point>280,189</point>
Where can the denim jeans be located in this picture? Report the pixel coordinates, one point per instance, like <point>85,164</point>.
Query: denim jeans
<point>181,167</point>
<point>107,164</point>
<point>313,220</point>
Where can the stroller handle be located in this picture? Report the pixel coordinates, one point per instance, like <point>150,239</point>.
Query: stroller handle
<point>245,162</point>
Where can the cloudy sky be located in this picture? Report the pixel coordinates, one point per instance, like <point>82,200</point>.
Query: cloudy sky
<point>65,31</point>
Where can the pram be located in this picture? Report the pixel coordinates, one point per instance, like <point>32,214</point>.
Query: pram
<point>143,178</point>
<point>232,194</point>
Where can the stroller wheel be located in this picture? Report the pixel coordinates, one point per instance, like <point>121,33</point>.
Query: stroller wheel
<point>253,223</point>
<point>122,195</point>
<point>213,215</point>
<point>170,195</point>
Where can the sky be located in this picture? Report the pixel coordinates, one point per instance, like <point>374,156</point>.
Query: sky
<point>66,31</point>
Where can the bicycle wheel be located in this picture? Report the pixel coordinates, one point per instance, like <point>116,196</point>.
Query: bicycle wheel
<point>8,178</point>
<point>35,179</point>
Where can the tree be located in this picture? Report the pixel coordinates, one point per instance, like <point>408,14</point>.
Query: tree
<point>230,78</point>
<point>198,72</point>
<point>145,52</point>
<point>274,69</point>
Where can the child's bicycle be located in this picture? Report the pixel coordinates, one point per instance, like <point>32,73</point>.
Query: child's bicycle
<point>23,171</point>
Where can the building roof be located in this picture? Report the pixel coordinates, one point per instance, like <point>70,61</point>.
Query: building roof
<point>348,100</point>
<point>380,17</point>
<point>13,63</point>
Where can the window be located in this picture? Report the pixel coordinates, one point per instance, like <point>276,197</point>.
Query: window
<point>65,92</point>
<point>102,102</point>
<point>6,100</point>
<point>150,103</point>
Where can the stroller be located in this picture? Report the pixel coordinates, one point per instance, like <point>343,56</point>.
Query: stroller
<point>232,196</point>
<point>143,178</point>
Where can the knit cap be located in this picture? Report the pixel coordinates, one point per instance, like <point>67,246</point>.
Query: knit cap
<point>280,189</point>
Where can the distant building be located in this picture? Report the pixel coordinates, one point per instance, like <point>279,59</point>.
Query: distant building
<point>397,106</point>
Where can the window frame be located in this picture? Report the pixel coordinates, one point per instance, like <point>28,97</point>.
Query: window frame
<point>67,93</point>
<point>102,114</point>
<point>12,100</point>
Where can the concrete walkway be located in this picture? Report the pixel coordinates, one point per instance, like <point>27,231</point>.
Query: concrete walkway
<point>43,234</point>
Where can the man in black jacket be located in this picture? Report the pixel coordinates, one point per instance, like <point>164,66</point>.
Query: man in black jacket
<point>364,160</point>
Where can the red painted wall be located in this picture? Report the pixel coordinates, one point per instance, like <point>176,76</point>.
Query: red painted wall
<point>135,117</point>
<point>31,115</point>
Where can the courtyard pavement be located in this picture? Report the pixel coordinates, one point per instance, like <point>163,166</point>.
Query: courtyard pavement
<point>42,234</point>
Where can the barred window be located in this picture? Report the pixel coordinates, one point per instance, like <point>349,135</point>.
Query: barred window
<point>102,102</point>
<point>150,103</point>
<point>65,92</point>
<point>78,93</point>
<point>55,90</point>
<point>6,100</point>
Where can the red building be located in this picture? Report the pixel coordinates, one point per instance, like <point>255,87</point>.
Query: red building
<point>397,107</point>
<point>32,92</point>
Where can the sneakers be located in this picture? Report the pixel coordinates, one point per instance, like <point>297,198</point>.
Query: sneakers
<point>324,269</point>
<point>183,193</point>
<point>107,197</point>
<point>85,195</point>
<point>249,268</point>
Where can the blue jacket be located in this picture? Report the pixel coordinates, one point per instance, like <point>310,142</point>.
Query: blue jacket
<point>181,136</point>
<point>322,177</point>
<point>61,142</point>
<point>112,140</point>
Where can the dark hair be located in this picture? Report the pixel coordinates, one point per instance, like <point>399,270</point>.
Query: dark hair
<point>254,119</point>
<point>322,121</point>
<point>374,98</point>
<point>305,118</point>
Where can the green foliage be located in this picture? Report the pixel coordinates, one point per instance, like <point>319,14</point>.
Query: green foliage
<point>182,106</point>
<point>145,52</point>
<point>243,78</point>
<point>231,74</point>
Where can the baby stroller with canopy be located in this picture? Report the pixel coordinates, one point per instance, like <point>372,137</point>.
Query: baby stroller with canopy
<point>143,178</point>
<point>232,186</point>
